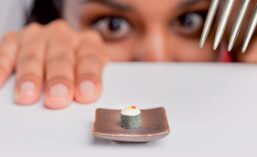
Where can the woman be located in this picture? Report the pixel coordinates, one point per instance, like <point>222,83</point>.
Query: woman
<point>69,55</point>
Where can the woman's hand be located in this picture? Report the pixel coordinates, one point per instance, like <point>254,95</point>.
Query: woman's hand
<point>68,65</point>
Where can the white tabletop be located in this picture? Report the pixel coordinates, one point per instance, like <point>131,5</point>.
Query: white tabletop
<point>212,110</point>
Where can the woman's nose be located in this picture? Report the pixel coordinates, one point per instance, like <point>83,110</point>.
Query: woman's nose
<point>153,47</point>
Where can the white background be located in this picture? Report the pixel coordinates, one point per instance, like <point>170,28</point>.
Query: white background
<point>13,14</point>
<point>212,110</point>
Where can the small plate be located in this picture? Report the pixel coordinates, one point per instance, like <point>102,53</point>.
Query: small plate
<point>154,126</point>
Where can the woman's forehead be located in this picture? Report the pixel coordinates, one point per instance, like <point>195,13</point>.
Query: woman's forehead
<point>141,3</point>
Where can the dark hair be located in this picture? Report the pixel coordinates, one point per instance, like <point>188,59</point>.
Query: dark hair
<point>45,11</point>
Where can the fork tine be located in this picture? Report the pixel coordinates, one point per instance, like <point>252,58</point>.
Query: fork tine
<point>239,22</point>
<point>250,31</point>
<point>209,21</point>
<point>223,22</point>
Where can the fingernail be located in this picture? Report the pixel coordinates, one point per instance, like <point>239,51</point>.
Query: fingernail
<point>26,93</point>
<point>59,91</point>
<point>87,89</point>
<point>58,97</point>
<point>27,89</point>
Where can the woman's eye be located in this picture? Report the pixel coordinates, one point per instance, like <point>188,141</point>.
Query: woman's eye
<point>190,23</point>
<point>112,28</point>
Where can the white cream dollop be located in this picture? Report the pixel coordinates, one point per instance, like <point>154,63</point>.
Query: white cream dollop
<point>131,111</point>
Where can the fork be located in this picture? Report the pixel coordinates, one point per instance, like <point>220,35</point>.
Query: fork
<point>227,10</point>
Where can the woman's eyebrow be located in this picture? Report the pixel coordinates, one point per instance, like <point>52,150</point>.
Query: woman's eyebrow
<point>187,3</point>
<point>112,4</point>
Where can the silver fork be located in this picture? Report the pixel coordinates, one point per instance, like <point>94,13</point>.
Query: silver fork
<point>224,21</point>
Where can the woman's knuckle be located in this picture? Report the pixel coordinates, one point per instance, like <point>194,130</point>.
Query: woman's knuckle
<point>5,64</point>
<point>30,57</point>
<point>33,27</point>
<point>10,36</point>
<point>61,58</point>
<point>57,25</point>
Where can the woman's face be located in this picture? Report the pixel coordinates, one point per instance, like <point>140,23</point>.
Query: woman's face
<point>145,30</point>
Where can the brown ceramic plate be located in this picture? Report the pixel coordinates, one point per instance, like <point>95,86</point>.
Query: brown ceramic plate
<point>154,126</point>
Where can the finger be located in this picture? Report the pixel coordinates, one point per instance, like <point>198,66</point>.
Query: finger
<point>90,62</point>
<point>8,52</point>
<point>60,66</point>
<point>29,67</point>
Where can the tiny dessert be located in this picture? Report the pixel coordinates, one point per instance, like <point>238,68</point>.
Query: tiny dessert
<point>134,125</point>
<point>131,118</point>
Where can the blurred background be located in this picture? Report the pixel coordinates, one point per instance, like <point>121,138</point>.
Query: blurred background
<point>13,14</point>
